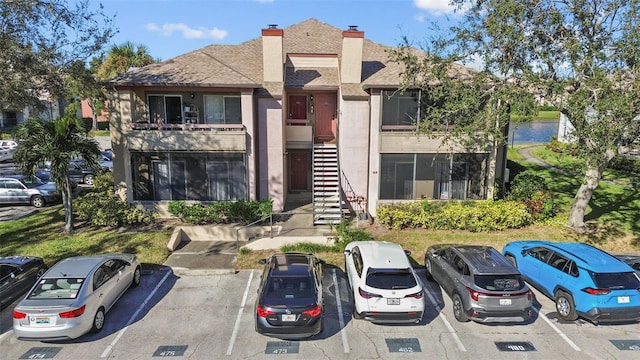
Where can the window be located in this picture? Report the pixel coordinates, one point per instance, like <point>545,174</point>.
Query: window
<point>390,279</point>
<point>189,176</point>
<point>499,282</point>
<point>165,109</point>
<point>222,109</point>
<point>9,119</point>
<point>539,253</point>
<point>357,261</point>
<point>400,109</point>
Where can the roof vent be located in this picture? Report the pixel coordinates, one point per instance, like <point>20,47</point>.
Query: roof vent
<point>272,26</point>
<point>353,27</point>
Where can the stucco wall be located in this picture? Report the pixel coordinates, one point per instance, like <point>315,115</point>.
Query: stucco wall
<point>354,144</point>
<point>271,157</point>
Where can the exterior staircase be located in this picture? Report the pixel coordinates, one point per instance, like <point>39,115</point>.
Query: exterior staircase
<point>327,202</point>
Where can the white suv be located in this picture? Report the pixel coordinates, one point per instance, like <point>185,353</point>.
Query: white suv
<point>384,286</point>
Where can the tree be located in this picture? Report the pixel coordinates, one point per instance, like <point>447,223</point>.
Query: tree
<point>40,41</point>
<point>58,141</point>
<point>121,58</point>
<point>581,56</point>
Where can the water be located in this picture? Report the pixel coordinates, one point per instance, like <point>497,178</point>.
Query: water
<point>533,132</point>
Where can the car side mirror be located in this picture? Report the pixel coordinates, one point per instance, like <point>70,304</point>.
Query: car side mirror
<point>407,252</point>
<point>262,261</point>
<point>13,275</point>
<point>347,252</point>
<point>126,263</point>
<point>524,252</point>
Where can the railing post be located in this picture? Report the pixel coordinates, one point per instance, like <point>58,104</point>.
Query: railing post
<point>237,240</point>
<point>271,225</point>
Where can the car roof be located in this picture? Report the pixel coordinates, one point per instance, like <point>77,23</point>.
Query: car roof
<point>485,260</point>
<point>586,256</point>
<point>17,260</point>
<point>286,264</point>
<point>382,254</point>
<point>78,266</point>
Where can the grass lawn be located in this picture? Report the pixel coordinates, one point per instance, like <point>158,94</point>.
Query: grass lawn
<point>613,215</point>
<point>542,116</point>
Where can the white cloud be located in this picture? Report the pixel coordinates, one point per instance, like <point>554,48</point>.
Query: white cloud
<point>188,32</point>
<point>436,7</point>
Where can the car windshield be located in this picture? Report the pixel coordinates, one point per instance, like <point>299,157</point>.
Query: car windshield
<point>31,181</point>
<point>615,281</point>
<point>290,287</point>
<point>499,282</point>
<point>390,279</point>
<point>56,289</point>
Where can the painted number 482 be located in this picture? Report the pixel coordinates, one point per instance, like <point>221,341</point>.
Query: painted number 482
<point>407,349</point>
<point>516,348</point>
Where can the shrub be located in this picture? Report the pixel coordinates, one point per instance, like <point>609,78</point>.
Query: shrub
<point>532,190</point>
<point>454,215</point>
<point>629,165</point>
<point>100,206</point>
<point>220,212</point>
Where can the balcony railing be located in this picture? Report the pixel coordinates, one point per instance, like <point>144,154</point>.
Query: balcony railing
<point>188,127</point>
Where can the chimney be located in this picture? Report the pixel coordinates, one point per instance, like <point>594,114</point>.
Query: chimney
<point>272,63</point>
<point>351,67</point>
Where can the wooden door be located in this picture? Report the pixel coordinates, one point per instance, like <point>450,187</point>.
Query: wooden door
<point>298,107</point>
<point>299,168</point>
<point>326,110</point>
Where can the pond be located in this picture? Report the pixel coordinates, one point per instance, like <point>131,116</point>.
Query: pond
<point>533,132</point>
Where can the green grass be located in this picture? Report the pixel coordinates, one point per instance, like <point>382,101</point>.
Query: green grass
<point>42,235</point>
<point>543,115</point>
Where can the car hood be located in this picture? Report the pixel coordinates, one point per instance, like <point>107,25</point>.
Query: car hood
<point>49,186</point>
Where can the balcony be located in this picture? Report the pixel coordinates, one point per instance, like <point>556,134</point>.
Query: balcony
<point>188,137</point>
<point>299,133</point>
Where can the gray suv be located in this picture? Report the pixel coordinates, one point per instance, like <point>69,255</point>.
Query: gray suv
<point>16,189</point>
<point>483,285</point>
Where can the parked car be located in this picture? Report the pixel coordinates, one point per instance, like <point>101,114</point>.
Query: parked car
<point>631,260</point>
<point>384,286</point>
<point>483,285</point>
<point>8,144</point>
<point>6,154</point>
<point>16,189</point>
<point>73,297</point>
<point>17,275</point>
<point>78,172</point>
<point>290,303</point>
<point>584,281</point>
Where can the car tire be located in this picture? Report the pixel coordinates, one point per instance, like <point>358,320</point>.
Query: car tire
<point>88,179</point>
<point>98,321</point>
<point>37,201</point>
<point>458,309</point>
<point>511,259</point>
<point>565,306</point>
<point>136,277</point>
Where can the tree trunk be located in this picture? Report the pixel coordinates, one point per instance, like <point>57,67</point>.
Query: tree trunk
<point>68,208</point>
<point>94,116</point>
<point>589,184</point>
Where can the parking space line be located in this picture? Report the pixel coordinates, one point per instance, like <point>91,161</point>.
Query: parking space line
<point>343,331</point>
<point>106,351</point>
<point>558,331</point>
<point>236,327</point>
<point>446,322</point>
<point>10,331</point>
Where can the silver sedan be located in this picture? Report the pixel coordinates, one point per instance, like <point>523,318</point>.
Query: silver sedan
<point>73,297</point>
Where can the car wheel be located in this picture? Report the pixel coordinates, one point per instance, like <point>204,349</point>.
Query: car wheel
<point>458,309</point>
<point>511,259</point>
<point>88,179</point>
<point>37,201</point>
<point>98,321</point>
<point>565,307</point>
<point>136,277</point>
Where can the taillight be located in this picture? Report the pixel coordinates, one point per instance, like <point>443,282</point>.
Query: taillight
<point>19,315</point>
<point>417,295</point>
<point>367,295</point>
<point>593,291</point>
<point>313,312</point>
<point>474,294</point>
<point>263,313</point>
<point>73,313</point>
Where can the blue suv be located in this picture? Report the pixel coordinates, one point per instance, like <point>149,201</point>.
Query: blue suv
<point>582,280</point>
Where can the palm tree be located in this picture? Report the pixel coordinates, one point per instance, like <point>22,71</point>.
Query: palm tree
<point>59,142</point>
<point>121,58</point>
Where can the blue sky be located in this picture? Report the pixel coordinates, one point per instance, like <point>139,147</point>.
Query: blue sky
<point>173,27</point>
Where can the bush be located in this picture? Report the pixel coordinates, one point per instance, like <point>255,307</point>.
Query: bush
<point>532,190</point>
<point>473,216</point>
<point>629,165</point>
<point>221,212</point>
<point>100,206</point>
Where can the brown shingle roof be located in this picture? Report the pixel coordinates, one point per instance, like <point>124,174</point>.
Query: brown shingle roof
<point>241,65</point>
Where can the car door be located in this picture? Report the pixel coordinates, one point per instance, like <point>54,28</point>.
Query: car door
<point>121,276</point>
<point>8,283</point>
<point>438,260</point>
<point>556,272</point>
<point>354,269</point>
<point>532,261</point>
<point>104,286</point>
<point>15,191</point>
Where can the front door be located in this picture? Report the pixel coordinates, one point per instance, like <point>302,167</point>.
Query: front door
<point>326,110</point>
<point>298,107</point>
<point>299,166</point>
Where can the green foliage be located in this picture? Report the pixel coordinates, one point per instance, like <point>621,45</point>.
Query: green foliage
<point>561,147</point>
<point>532,190</point>
<point>473,216</point>
<point>101,207</point>
<point>629,165</point>
<point>244,250</point>
<point>345,234</point>
<point>307,248</point>
<point>221,212</point>
<point>547,108</point>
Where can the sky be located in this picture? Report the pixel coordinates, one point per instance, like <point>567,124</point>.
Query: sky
<point>169,28</point>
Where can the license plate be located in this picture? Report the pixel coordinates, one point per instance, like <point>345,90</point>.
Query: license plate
<point>40,321</point>
<point>288,318</point>
<point>393,301</point>
<point>623,299</point>
<point>505,301</point>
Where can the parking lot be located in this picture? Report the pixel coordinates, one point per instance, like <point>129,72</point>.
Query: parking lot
<point>211,317</point>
